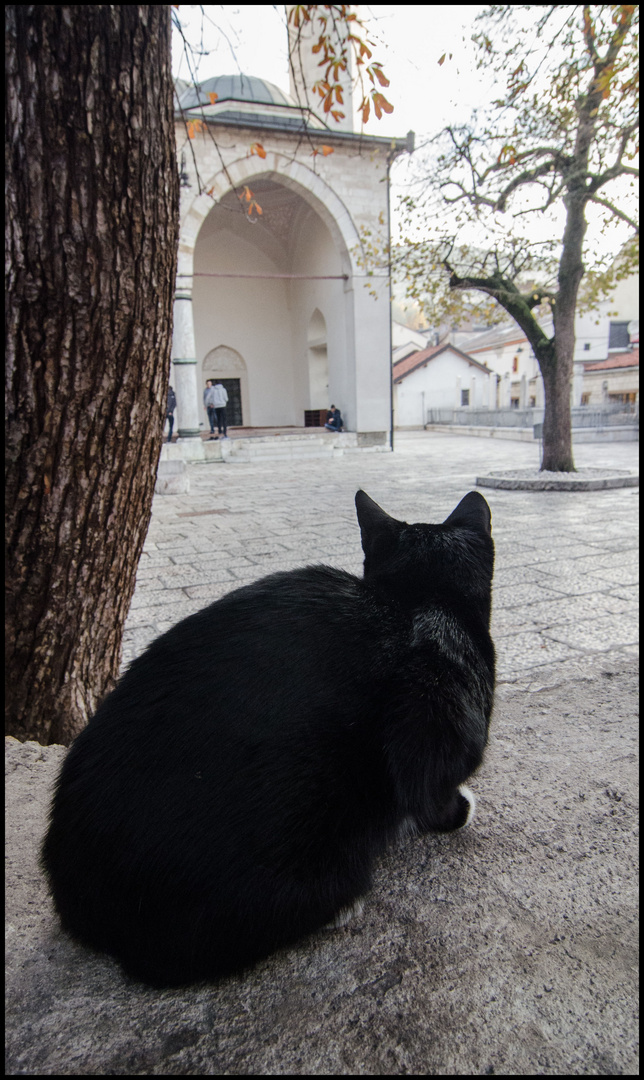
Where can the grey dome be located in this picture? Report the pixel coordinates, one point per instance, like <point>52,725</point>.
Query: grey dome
<point>235,88</point>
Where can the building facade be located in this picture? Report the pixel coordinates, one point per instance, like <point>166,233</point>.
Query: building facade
<point>440,377</point>
<point>271,298</point>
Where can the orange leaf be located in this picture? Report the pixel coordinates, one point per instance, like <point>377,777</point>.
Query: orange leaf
<point>326,150</point>
<point>365,112</point>
<point>381,77</point>
<point>213,97</point>
<point>258,149</point>
<point>380,103</point>
<point>247,193</point>
<point>191,130</point>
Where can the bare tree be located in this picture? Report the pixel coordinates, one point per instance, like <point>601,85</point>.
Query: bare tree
<point>562,134</point>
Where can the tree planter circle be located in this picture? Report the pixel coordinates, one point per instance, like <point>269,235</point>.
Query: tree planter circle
<point>536,480</point>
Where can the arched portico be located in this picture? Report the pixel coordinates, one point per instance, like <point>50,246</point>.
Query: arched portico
<point>255,285</point>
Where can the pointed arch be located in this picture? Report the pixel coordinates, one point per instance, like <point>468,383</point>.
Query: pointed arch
<point>226,363</point>
<point>291,174</point>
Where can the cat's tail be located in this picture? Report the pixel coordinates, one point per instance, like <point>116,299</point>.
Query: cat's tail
<point>469,796</point>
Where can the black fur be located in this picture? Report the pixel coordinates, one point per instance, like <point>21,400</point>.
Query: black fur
<point>231,794</point>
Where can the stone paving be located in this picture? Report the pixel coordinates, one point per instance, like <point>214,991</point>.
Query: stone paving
<point>565,587</point>
<point>509,948</point>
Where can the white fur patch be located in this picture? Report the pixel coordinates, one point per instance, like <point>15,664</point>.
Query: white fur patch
<point>469,795</point>
<point>345,915</point>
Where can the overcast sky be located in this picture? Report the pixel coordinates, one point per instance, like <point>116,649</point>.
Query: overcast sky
<point>409,39</point>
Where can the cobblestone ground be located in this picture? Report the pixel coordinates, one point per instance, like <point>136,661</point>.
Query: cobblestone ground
<point>509,948</point>
<point>565,586</point>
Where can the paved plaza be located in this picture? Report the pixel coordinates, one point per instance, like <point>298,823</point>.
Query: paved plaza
<point>507,948</point>
<point>565,585</point>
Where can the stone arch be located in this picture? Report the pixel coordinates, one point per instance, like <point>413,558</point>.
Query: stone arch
<point>223,362</point>
<point>318,361</point>
<point>291,174</point>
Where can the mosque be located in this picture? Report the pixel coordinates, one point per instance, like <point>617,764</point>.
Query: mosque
<point>271,298</point>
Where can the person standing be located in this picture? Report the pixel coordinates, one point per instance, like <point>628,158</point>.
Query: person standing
<point>169,410</point>
<point>221,400</point>
<point>209,405</point>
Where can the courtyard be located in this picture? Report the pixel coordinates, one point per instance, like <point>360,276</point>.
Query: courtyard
<point>508,948</point>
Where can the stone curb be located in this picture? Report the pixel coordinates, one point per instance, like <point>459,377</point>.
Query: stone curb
<point>538,482</point>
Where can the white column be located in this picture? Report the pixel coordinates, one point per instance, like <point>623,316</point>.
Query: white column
<point>184,361</point>
<point>473,401</point>
<point>457,402</point>
<point>523,392</point>
<point>577,384</point>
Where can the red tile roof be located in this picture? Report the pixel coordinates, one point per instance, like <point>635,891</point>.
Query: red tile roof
<point>417,359</point>
<point>617,360</point>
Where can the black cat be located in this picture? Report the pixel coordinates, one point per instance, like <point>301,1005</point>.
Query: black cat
<point>231,794</point>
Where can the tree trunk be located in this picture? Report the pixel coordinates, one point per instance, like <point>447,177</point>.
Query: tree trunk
<point>557,427</point>
<point>91,227</point>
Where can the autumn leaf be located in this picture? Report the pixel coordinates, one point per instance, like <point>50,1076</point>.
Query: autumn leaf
<point>365,112</point>
<point>381,104</point>
<point>326,150</point>
<point>509,153</point>
<point>257,148</point>
<point>213,97</point>
<point>380,75</point>
<point>442,60</point>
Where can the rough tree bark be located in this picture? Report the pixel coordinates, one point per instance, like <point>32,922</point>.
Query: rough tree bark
<point>91,237</point>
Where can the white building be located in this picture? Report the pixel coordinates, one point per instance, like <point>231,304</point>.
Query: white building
<point>598,334</point>
<point>270,296</point>
<point>441,377</point>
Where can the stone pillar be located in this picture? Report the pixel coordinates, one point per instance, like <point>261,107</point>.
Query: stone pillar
<point>473,399</point>
<point>577,384</point>
<point>184,361</point>
<point>523,392</point>
<point>457,400</point>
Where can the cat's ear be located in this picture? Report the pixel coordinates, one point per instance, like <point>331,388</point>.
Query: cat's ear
<point>472,513</point>
<point>379,531</point>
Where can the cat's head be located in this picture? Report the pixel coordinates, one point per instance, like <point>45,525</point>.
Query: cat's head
<point>415,564</point>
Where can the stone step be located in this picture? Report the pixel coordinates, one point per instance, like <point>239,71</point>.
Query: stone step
<point>280,440</point>
<point>280,453</point>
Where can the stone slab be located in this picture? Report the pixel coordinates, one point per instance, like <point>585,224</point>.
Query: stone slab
<point>509,948</point>
<point>536,480</point>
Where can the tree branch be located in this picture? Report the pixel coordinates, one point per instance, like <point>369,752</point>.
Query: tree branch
<point>616,212</point>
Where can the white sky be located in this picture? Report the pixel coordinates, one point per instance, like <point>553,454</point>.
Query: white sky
<point>409,41</point>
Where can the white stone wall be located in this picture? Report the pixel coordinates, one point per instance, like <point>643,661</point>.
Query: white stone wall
<point>438,386</point>
<point>620,381</point>
<point>267,320</point>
